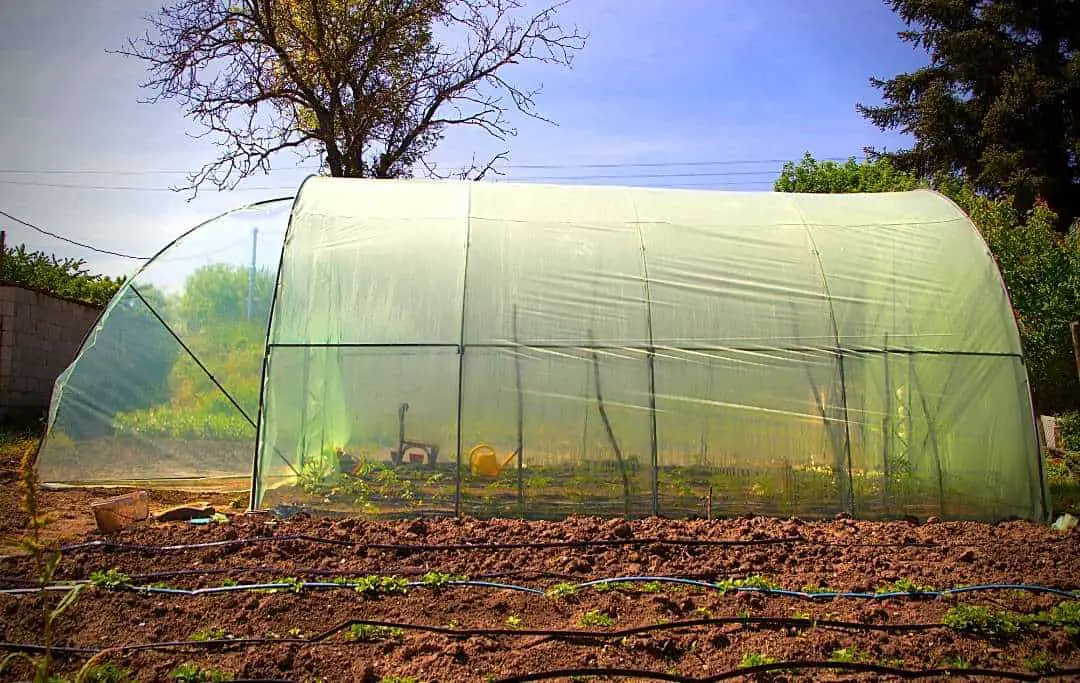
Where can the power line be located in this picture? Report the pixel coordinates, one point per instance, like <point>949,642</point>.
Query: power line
<point>532,166</point>
<point>128,188</point>
<point>71,241</point>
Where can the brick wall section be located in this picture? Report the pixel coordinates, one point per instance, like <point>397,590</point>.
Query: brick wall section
<point>39,336</point>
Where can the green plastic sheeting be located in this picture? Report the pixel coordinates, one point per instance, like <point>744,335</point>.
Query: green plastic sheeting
<point>496,349</point>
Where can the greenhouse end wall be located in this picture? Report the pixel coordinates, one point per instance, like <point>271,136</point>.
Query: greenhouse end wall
<point>506,350</point>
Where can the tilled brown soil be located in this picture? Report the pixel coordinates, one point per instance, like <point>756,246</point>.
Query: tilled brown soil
<point>842,554</point>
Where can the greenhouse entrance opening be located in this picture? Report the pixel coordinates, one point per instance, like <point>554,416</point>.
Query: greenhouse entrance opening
<point>396,348</point>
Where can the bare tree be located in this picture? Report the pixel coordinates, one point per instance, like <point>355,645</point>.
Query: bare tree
<point>367,86</point>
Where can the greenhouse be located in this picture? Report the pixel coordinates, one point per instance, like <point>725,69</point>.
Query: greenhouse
<point>408,347</point>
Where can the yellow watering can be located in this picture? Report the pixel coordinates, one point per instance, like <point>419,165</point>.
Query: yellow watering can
<point>484,462</point>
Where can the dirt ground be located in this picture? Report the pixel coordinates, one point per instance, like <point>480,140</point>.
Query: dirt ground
<point>500,634</point>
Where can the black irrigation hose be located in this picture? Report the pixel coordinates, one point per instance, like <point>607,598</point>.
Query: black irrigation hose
<point>856,667</point>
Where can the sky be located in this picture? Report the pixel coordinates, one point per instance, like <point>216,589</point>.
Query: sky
<point>707,93</point>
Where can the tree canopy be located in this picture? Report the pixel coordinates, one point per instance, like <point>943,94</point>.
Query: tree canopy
<point>369,87</point>
<point>999,101</point>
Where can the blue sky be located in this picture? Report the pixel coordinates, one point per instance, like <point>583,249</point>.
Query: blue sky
<point>660,82</point>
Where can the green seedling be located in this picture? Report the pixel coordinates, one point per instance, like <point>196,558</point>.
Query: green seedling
<point>562,591</point>
<point>378,585</point>
<point>847,655</point>
<point>439,579</point>
<point>981,620</point>
<point>397,679</point>
<point>513,621</point>
<point>956,662</point>
<point>110,578</point>
<point>211,633</point>
<point>1040,663</point>
<point>107,673</point>
<point>752,581</point>
<point>755,659</point>
<point>904,586</point>
<point>369,633</point>
<point>189,672</point>
<point>596,618</point>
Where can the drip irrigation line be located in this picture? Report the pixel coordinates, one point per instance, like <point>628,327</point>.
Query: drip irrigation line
<point>524,545</point>
<point>795,665</point>
<point>815,596</point>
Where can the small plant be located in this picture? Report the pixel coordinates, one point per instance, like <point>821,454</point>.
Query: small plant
<point>1067,615</point>
<point>1040,663</point>
<point>904,586</point>
<point>107,673</point>
<point>513,621</point>
<point>190,672</point>
<point>229,583</point>
<point>596,618</point>
<point>211,633</point>
<point>753,581</point>
<point>755,659</point>
<point>562,591</point>
<point>159,584</point>
<point>110,578</point>
<point>979,619</point>
<point>397,679</point>
<point>650,587</point>
<point>439,579</point>
<point>956,662</point>
<point>296,632</point>
<point>377,585</point>
<point>847,655</point>
<point>703,612</point>
<point>370,633</point>
<point>811,589</point>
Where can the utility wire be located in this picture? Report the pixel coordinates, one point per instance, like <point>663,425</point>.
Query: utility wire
<point>43,231</point>
<point>533,166</point>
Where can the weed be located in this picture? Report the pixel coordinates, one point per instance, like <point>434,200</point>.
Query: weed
<point>1040,663</point>
<point>596,618</point>
<point>190,672</point>
<point>979,619</point>
<point>228,583</point>
<point>45,563</point>
<point>562,591</point>
<point>369,633</point>
<point>110,578</point>
<point>513,621</point>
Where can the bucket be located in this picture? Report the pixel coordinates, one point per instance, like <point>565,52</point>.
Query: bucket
<point>113,514</point>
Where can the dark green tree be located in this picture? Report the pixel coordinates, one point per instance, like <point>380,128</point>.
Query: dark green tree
<point>999,102</point>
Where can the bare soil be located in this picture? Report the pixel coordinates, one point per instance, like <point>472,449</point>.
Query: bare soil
<point>842,554</point>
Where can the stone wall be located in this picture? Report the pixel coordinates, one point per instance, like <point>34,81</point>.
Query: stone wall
<point>39,336</point>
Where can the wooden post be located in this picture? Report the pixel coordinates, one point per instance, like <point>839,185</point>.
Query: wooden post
<point>1074,327</point>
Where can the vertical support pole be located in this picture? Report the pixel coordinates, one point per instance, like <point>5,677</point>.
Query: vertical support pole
<point>251,274</point>
<point>461,358</point>
<point>847,434</point>
<point>654,460</point>
<point>520,420</point>
<point>3,253</point>
<point>886,431</point>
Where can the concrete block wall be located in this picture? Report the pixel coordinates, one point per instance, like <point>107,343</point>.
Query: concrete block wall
<point>39,336</point>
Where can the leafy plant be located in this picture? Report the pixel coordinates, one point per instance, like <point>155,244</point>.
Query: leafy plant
<point>753,581</point>
<point>108,673</point>
<point>562,591</point>
<point>596,618</point>
<point>397,679</point>
<point>190,672</point>
<point>378,585</point>
<point>750,659</point>
<point>513,621</point>
<point>904,586</point>
<point>1040,662</point>
<point>66,278</point>
<point>211,633</point>
<point>956,662</point>
<point>980,619</point>
<point>369,633</point>
<point>847,655</point>
<point>440,579</point>
<point>109,578</point>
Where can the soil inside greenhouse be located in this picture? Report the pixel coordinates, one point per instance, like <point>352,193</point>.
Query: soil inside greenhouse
<point>483,633</point>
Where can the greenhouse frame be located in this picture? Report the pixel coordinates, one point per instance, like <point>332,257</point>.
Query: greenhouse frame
<point>405,347</point>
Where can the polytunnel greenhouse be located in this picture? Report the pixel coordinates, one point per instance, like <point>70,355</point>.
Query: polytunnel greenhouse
<point>496,349</point>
